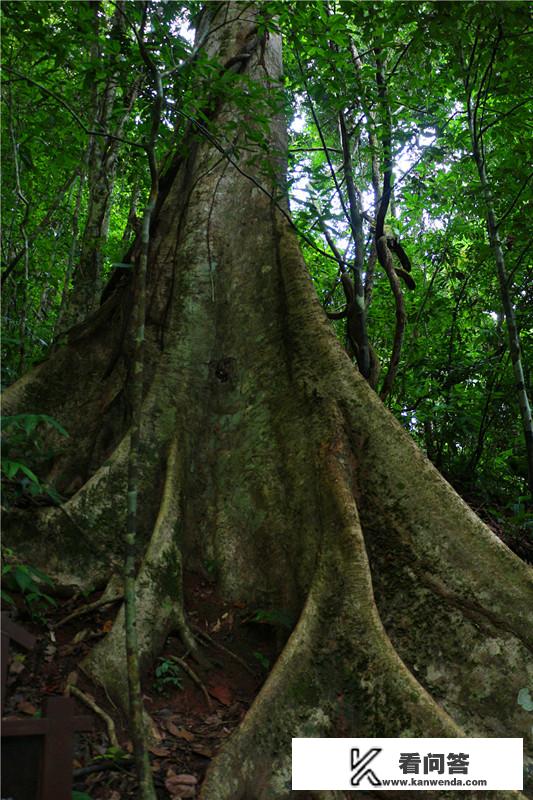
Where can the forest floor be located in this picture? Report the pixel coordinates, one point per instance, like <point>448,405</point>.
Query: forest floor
<point>191,719</point>
<point>193,708</point>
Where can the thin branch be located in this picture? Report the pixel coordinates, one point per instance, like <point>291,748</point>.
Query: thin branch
<point>505,114</point>
<point>385,259</point>
<point>41,226</point>
<point>225,650</point>
<point>321,136</point>
<point>86,609</point>
<point>428,147</point>
<point>226,152</point>
<point>400,57</point>
<point>515,201</point>
<point>469,68</point>
<point>194,677</point>
<point>71,111</point>
<point>484,88</point>
<point>313,150</point>
<point>329,239</point>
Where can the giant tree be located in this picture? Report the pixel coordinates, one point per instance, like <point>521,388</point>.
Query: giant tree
<point>265,453</point>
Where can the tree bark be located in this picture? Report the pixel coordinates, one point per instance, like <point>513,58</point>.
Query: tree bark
<point>102,158</point>
<point>265,453</point>
<point>510,317</point>
<point>475,100</point>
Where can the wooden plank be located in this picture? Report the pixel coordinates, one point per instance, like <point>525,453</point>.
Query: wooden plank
<point>11,631</point>
<point>5,660</point>
<point>56,727</point>
<point>33,726</point>
<point>38,726</point>
<point>17,633</point>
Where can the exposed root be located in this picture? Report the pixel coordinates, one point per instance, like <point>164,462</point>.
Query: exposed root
<point>189,640</point>
<point>86,609</point>
<point>75,543</point>
<point>110,725</point>
<point>194,677</point>
<point>225,650</point>
<point>159,596</point>
<point>338,668</point>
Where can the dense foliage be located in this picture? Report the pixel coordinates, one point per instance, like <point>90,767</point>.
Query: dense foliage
<point>389,81</point>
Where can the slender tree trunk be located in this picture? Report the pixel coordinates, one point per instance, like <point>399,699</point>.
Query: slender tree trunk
<point>505,294</point>
<point>73,250</point>
<point>265,452</point>
<point>87,277</point>
<point>147,791</point>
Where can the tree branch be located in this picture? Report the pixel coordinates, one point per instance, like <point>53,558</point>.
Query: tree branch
<point>70,110</point>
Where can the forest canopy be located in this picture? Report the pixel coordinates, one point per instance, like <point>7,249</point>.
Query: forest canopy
<point>77,109</point>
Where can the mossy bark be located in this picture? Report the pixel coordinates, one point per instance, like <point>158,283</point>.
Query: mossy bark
<point>266,455</point>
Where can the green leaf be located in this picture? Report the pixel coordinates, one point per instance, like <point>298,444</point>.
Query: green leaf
<point>10,468</point>
<point>263,660</point>
<point>42,576</point>
<point>23,578</point>
<point>54,495</point>
<point>28,422</point>
<point>6,597</point>
<point>31,475</point>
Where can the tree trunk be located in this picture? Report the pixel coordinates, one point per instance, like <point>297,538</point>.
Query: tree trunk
<point>102,159</point>
<point>265,453</point>
<point>510,317</point>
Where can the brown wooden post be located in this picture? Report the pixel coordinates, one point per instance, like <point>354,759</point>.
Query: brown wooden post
<point>56,727</point>
<point>58,748</point>
<point>11,631</point>
<point>5,657</point>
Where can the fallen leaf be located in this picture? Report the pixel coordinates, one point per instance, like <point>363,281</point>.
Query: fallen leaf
<point>228,618</point>
<point>179,733</point>
<point>106,627</point>
<point>222,694</point>
<point>49,652</point>
<point>159,751</point>
<point>202,750</point>
<point>155,733</point>
<point>177,788</point>
<point>190,780</point>
<point>186,792</point>
<point>26,707</point>
<point>80,636</point>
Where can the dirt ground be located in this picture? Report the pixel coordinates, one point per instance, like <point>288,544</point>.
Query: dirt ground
<point>194,708</point>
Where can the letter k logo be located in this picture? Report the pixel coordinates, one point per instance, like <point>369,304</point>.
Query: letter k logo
<point>360,765</point>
